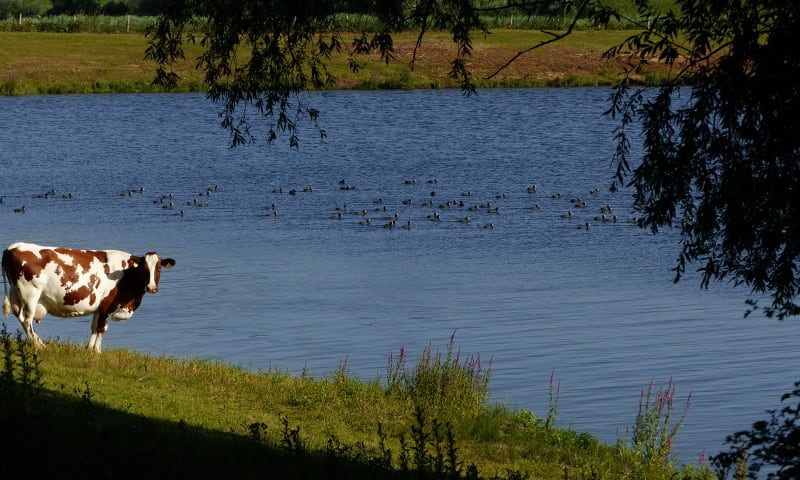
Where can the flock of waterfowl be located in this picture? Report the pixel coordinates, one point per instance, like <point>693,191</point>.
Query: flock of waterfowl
<point>412,202</point>
<point>48,194</point>
<point>417,201</point>
<point>165,201</point>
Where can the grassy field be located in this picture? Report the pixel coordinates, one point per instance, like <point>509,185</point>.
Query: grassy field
<point>38,63</point>
<point>66,411</point>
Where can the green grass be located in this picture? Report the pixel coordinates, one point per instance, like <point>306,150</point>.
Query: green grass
<point>59,63</point>
<point>45,63</point>
<point>67,411</point>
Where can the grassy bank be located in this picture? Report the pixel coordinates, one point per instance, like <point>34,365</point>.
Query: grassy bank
<point>42,63</point>
<point>65,410</point>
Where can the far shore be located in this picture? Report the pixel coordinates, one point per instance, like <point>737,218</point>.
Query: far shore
<point>62,63</point>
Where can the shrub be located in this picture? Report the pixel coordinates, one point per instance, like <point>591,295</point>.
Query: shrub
<point>771,443</point>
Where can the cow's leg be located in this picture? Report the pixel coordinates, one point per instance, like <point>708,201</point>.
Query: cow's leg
<point>26,315</point>
<point>98,329</point>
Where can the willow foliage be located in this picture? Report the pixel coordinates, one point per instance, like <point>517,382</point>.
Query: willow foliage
<point>259,54</point>
<point>721,145</point>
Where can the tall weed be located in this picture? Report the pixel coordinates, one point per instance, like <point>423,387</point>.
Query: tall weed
<point>552,401</point>
<point>21,377</point>
<point>656,426</point>
<point>440,381</point>
<point>20,362</point>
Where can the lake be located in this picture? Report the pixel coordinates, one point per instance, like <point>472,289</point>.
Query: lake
<point>298,288</point>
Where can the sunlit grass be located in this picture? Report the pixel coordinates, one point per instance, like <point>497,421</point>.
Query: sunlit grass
<point>432,410</point>
<point>82,63</point>
<point>56,63</point>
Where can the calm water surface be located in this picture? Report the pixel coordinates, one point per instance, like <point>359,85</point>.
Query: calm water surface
<point>301,290</point>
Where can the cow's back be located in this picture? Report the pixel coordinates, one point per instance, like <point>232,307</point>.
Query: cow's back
<point>66,282</point>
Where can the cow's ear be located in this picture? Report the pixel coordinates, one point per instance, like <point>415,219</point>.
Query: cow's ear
<point>133,262</point>
<point>167,262</point>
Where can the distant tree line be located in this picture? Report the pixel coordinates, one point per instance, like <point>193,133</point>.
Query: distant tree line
<point>512,7</point>
<point>36,8</point>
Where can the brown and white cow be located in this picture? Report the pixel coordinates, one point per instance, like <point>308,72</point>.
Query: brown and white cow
<point>73,283</point>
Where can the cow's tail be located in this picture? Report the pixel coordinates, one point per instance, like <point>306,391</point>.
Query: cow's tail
<point>6,303</point>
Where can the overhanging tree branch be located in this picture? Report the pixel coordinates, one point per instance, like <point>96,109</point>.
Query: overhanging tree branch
<point>554,37</point>
<point>721,153</point>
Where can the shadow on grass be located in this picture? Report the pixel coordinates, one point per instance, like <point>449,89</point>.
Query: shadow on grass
<point>50,435</point>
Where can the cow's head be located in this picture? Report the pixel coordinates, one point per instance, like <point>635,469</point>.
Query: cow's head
<point>149,269</point>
